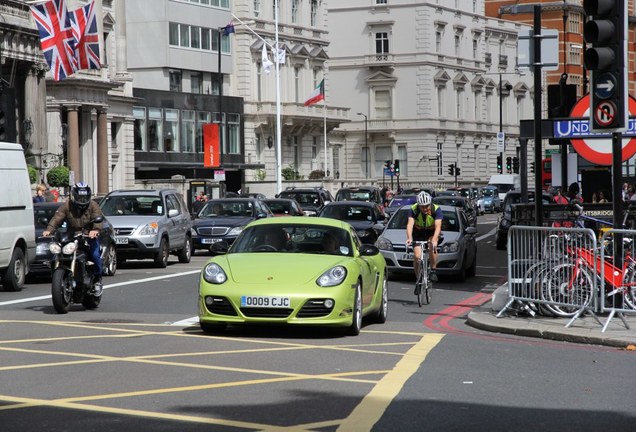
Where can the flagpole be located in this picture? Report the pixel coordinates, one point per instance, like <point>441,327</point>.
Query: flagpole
<point>279,182</point>
<point>324,129</point>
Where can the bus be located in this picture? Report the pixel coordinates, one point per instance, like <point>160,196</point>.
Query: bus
<point>546,173</point>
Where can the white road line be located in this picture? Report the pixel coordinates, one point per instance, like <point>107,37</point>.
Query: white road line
<point>150,279</point>
<point>488,234</point>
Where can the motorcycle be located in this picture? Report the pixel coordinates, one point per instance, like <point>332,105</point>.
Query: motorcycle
<point>73,280</point>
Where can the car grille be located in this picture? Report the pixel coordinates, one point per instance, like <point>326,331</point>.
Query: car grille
<point>266,312</point>
<point>405,263</point>
<point>399,248</point>
<point>314,308</point>
<point>123,231</point>
<point>216,231</point>
<point>220,306</point>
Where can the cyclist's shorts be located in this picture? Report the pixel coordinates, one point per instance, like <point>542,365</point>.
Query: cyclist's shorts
<point>422,234</point>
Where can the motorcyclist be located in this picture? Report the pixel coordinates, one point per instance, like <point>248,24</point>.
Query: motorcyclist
<point>78,211</point>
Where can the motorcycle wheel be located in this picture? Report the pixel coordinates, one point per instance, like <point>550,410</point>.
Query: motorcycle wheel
<point>61,290</point>
<point>91,302</point>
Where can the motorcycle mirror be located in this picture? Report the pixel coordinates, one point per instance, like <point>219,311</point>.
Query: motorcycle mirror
<point>98,219</point>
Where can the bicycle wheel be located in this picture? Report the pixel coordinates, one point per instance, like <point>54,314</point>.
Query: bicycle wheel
<point>629,288</point>
<point>567,291</point>
<point>420,286</point>
<point>428,286</point>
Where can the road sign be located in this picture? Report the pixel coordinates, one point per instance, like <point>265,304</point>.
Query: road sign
<point>549,49</point>
<point>501,142</point>
<point>599,150</point>
<point>605,113</point>
<point>605,86</point>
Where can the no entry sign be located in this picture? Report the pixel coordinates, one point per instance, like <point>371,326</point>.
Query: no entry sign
<point>599,150</point>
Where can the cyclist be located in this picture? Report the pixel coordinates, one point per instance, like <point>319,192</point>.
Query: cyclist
<point>425,223</point>
<point>77,212</point>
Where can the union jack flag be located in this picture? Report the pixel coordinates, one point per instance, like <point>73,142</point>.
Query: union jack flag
<point>84,24</point>
<point>56,37</point>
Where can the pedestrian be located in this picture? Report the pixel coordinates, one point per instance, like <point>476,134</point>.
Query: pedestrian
<point>39,193</point>
<point>574,193</point>
<point>199,203</point>
<point>601,197</point>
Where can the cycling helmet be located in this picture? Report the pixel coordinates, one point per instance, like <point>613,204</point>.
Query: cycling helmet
<point>423,199</point>
<point>81,196</point>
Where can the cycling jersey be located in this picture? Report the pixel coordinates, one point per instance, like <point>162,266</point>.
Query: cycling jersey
<point>424,226</point>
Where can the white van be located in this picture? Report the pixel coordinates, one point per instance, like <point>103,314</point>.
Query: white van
<point>505,183</point>
<point>17,230</point>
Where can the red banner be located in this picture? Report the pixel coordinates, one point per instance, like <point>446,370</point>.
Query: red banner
<point>211,147</point>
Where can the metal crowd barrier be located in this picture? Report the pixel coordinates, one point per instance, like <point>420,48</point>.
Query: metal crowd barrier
<point>552,271</point>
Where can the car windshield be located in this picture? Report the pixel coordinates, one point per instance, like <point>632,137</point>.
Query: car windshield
<point>215,208</point>
<point>489,192</point>
<point>348,213</point>
<point>132,205</point>
<point>504,187</point>
<point>350,195</point>
<point>451,201</point>
<point>293,238</point>
<point>400,201</point>
<point>303,198</point>
<point>280,207</point>
<point>42,216</point>
<point>401,217</point>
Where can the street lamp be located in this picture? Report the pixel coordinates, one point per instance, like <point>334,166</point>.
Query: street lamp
<point>366,146</point>
<point>508,88</point>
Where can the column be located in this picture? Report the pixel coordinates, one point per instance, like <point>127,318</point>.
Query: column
<point>102,152</point>
<point>72,141</point>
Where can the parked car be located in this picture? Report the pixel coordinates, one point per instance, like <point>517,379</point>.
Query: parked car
<point>505,220</point>
<point>399,201</point>
<point>460,202</point>
<point>42,213</point>
<point>360,193</point>
<point>416,190</point>
<point>311,200</point>
<point>149,223</point>
<point>284,207</point>
<point>220,221</point>
<point>467,193</point>
<point>492,202</point>
<point>367,218</point>
<point>302,281</point>
<point>457,250</point>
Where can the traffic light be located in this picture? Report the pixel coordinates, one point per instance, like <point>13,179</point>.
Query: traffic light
<point>457,171</point>
<point>3,130</point>
<point>396,163</point>
<point>605,33</point>
<point>508,164</point>
<point>532,167</point>
<point>387,163</point>
<point>499,164</point>
<point>451,169</point>
<point>515,165</point>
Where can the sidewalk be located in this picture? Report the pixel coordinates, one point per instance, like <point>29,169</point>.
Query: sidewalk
<point>584,330</point>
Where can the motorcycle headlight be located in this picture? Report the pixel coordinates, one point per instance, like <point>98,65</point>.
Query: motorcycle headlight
<point>150,229</point>
<point>235,231</point>
<point>332,277</point>
<point>55,248</point>
<point>214,274</point>
<point>450,247</point>
<point>384,244</point>
<point>41,248</point>
<point>69,248</point>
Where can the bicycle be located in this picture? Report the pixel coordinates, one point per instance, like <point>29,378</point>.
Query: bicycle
<point>423,286</point>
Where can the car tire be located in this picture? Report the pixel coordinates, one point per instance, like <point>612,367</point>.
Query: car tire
<point>356,313</point>
<point>161,257</point>
<point>110,261</point>
<point>461,276</point>
<point>15,274</point>
<point>500,243</point>
<point>185,254</point>
<point>472,270</point>
<point>382,313</point>
<point>212,328</point>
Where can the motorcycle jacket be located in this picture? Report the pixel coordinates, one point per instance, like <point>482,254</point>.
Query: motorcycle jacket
<point>75,221</point>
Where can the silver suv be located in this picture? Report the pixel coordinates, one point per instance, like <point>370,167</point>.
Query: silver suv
<point>149,223</point>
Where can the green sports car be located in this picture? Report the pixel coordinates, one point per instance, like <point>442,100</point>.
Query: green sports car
<point>296,271</point>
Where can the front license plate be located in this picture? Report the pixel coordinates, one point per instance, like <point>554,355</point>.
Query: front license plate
<point>407,256</point>
<point>271,302</point>
<point>210,241</point>
<point>121,240</point>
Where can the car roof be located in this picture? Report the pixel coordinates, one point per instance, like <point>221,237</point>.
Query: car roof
<point>359,188</point>
<point>140,191</point>
<point>302,221</point>
<point>351,203</point>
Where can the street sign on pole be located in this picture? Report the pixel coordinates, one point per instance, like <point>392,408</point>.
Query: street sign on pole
<point>501,142</point>
<point>549,49</point>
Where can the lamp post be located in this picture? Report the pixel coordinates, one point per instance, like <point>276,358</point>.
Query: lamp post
<point>366,146</point>
<point>501,88</point>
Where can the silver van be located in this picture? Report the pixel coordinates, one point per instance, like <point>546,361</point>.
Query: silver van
<point>149,223</point>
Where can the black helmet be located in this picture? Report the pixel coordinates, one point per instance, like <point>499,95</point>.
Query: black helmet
<point>81,196</point>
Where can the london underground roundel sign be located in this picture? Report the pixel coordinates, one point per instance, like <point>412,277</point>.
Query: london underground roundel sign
<point>599,150</point>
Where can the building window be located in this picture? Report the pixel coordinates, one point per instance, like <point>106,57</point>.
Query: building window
<point>259,81</point>
<point>188,133</point>
<point>184,36</point>
<point>257,8</point>
<point>233,131</point>
<point>383,108</point>
<point>477,111</point>
<point>440,161</point>
<point>171,130</point>
<point>206,43</point>
<point>173,34</point>
<point>294,11</point>
<point>275,8</point>
<point>441,108</point>
<point>458,42</point>
<point>382,43</point>
<point>155,129</point>
<point>314,147</point>
<point>203,117</point>
<point>195,37</point>
<point>380,1</point>
<point>459,110</point>
<point>296,84</point>
<point>175,80</point>
<point>196,82</point>
<point>139,113</point>
<point>225,44</point>
<point>403,158</point>
<point>314,12</point>
<point>574,22</point>
<point>438,41</point>
<point>475,47</point>
<point>383,154</point>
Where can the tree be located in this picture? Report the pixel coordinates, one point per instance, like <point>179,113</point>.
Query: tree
<point>58,176</point>
<point>33,174</point>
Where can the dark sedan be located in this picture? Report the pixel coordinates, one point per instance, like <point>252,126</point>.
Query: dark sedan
<point>459,202</point>
<point>399,201</point>
<point>220,221</point>
<point>284,207</point>
<point>43,212</point>
<point>367,218</point>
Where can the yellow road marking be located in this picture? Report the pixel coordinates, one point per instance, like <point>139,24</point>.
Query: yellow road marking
<point>370,410</point>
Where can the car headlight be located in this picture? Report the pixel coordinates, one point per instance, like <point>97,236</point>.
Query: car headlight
<point>55,248</point>
<point>449,247</point>
<point>69,248</point>
<point>193,232</point>
<point>235,231</point>
<point>332,277</point>
<point>150,229</point>
<point>384,244</point>
<point>214,274</point>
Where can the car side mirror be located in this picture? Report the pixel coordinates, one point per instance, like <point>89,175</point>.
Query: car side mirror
<point>471,230</point>
<point>369,250</point>
<point>173,213</point>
